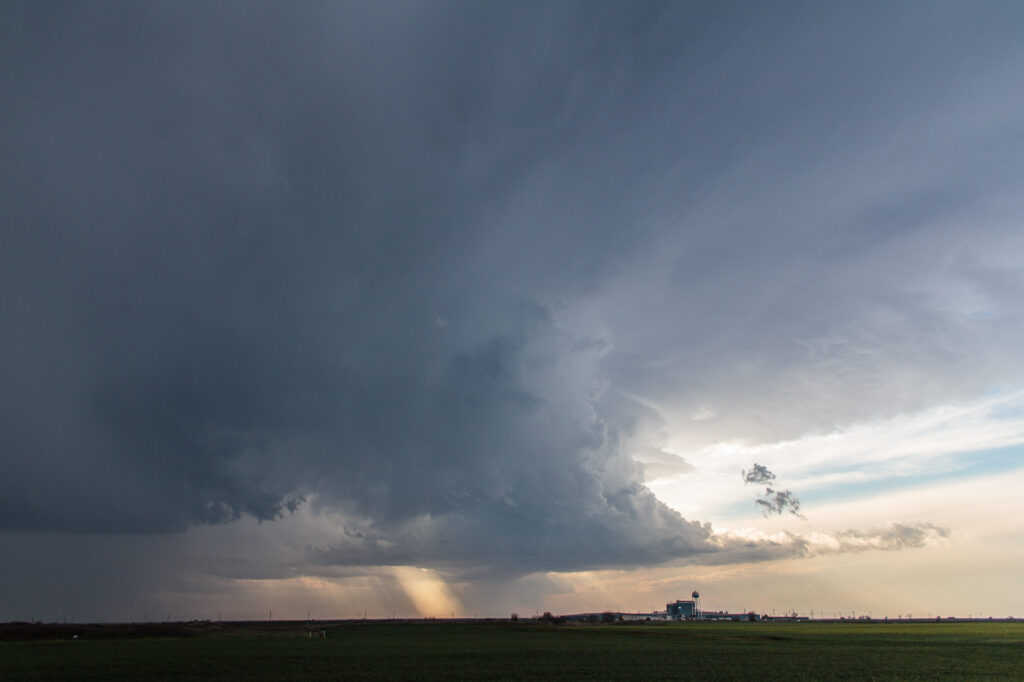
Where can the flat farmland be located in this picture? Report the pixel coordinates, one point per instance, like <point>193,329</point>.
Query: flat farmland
<point>525,651</point>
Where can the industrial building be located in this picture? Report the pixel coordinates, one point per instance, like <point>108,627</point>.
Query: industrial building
<point>684,609</point>
<point>681,609</point>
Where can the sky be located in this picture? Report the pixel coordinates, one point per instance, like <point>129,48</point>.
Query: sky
<point>472,308</point>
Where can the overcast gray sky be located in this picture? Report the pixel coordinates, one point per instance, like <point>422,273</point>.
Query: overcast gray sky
<point>449,284</point>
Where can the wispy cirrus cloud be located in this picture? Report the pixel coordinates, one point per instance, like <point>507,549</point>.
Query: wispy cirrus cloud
<point>739,546</point>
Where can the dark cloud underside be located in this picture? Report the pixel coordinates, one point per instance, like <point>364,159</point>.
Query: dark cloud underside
<point>430,264</point>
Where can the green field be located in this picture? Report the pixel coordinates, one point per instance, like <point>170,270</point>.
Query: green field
<point>415,651</point>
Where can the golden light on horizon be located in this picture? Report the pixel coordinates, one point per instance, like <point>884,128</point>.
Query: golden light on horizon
<point>427,591</point>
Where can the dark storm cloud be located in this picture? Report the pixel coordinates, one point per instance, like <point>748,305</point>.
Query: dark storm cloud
<point>256,253</point>
<point>430,265</point>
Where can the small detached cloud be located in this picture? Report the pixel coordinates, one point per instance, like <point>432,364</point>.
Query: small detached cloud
<point>775,501</point>
<point>772,501</point>
<point>758,474</point>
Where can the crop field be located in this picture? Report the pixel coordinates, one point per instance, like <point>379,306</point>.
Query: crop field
<point>525,651</point>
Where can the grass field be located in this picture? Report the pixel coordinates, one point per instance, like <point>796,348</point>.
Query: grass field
<point>415,651</point>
